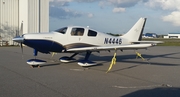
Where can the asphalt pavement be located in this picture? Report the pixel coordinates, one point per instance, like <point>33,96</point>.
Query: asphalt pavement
<point>157,76</point>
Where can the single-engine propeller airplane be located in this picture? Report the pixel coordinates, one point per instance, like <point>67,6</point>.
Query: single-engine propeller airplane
<point>76,39</point>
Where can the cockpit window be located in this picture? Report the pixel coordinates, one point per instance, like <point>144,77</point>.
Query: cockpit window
<point>77,32</point>
<point>92,33</point>
<point>62,30</point>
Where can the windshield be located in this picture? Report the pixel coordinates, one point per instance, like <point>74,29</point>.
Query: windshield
<point>62,30</point>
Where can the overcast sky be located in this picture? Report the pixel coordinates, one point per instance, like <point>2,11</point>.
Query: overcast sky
<point>116,16</point>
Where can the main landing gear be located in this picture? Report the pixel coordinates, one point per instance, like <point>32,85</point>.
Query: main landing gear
<point>68,59</point>
<point>86,62</point>
<point>83,63</point>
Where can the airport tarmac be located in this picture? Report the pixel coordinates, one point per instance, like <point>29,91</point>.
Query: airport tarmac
<point>130,77</point>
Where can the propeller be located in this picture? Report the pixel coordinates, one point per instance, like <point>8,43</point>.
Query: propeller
<point>20,41</point>
<point>19,38</point>
<point>21,44</point>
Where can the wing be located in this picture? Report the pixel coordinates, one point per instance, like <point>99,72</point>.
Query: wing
<point>152,42</point>
<point>121,47</point>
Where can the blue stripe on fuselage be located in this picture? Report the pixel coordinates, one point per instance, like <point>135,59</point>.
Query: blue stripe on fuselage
<point>44,46</point>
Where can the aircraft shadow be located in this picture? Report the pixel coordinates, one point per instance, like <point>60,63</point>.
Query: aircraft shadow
<point>156,92</point>
<point>127,59</point>
<point>50,64</point>
<point>125,68</point>
<point>123,59</point>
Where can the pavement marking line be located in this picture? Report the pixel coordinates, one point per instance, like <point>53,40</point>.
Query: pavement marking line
<point>150,86</point>
<point>77,69</point>
<point>80,69</point>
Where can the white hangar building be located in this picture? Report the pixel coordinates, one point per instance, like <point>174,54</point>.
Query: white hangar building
<point>18,17</point>
<point>173,35</point>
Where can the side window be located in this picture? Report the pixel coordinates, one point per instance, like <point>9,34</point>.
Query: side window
<point>92,33</point>
<point>62,30</point>
<point>77,32</point>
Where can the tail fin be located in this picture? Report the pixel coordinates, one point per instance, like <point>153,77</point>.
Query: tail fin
<point>135,33</point>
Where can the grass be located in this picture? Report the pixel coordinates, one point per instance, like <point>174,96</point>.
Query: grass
<point>167,42</point>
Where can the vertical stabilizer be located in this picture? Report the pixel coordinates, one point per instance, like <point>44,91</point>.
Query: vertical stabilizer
<point>135,33</point>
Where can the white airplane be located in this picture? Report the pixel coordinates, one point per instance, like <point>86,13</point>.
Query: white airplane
<point>76,39</point>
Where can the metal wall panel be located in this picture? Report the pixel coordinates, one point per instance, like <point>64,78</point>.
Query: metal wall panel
<point>38,16</point>
<point>9,12</point>
<point>8,19</point>
<point>44,15</point>
<point>23,16</point>
<point>33,16</point>
<point>33,13</point>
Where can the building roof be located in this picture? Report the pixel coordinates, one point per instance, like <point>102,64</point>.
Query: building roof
<point>174,33</point>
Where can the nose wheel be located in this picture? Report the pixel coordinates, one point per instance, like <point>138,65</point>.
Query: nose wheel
<point>35,62</point>
<point>32,66</point>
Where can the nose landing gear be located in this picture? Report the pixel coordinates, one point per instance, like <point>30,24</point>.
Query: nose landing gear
<point>35,62</point>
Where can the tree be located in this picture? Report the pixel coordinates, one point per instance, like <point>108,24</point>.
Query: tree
<point>7,33</point>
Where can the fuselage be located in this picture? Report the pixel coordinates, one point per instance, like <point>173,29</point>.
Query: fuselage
<point>70,37</point>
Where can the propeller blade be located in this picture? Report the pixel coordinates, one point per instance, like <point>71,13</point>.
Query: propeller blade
<point>21,45</point>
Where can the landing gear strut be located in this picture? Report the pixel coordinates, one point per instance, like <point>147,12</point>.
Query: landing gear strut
<point>86,62</point>
<point>83,63</point>
<point>68,59</point>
